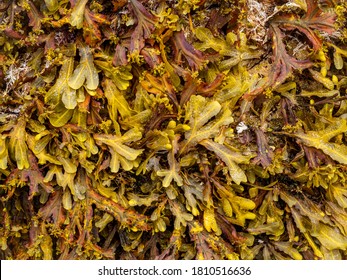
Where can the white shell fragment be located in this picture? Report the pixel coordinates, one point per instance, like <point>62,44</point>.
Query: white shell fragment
<point>241,127</point>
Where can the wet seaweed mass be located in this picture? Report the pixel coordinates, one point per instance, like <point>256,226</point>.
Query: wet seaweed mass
<point>177,129</point>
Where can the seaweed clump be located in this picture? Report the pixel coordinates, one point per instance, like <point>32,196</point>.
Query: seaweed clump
<point>173,129</point>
